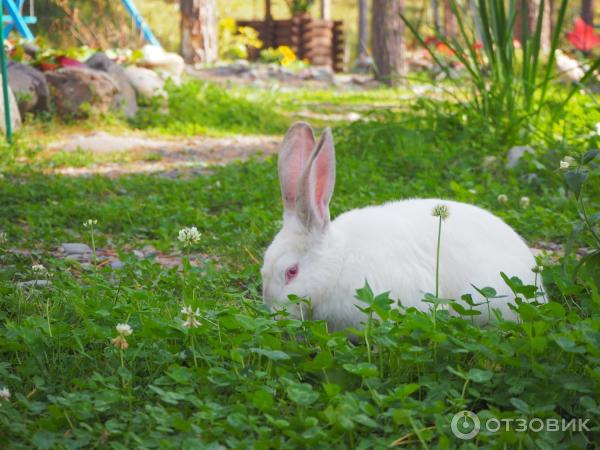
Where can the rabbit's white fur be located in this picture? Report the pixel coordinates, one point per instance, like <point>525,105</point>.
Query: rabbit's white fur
<point>392,246</point>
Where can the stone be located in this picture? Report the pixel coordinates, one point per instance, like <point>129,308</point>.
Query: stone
<point>117,264</point>
<point>515,154</point>
<point>81,92</point>
<point>125,100</point>
<point>318,73</point>
<point>30,88</point>
<point>155,57</point>
<point>15,115</point>
<point>146,82</point>
<point>33,283</point>
<point>31,48</point>
<point>75,248</point>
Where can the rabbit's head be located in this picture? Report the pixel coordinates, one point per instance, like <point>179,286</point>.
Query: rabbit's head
<point>300,260</point>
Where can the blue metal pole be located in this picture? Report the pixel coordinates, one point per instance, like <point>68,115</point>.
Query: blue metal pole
<point>140,23</point>
<point>17,19</point>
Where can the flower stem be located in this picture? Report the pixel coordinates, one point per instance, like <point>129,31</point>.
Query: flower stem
<point>437,258</point>
<point>48,317</point>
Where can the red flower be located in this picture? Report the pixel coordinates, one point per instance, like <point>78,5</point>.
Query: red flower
<point>65,61</point>
<point>583,36</point>
<point>439,45</point>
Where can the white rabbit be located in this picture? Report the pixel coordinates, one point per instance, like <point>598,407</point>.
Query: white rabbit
<point>392,246</point>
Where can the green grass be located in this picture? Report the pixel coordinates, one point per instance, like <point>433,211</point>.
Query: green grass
<point>203,108</point>
<point>243,380</point>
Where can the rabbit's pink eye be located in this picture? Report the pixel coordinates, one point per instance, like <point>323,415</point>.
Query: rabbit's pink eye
<point>291,273</point>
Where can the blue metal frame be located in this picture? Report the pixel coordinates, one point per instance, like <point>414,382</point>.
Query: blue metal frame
<point>140,23</point>
<point>15,19</point>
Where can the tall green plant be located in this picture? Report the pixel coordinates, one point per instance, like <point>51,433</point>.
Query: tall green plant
<point>508,83</point>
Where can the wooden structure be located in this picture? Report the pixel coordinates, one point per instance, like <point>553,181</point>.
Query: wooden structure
<point>320,41</point>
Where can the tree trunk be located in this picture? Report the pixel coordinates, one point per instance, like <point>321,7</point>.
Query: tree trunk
<point>363,30</point>
<point>388,43</point>
<point>587,11</point>
<point>450,25</point>
<point>199,31</point>
<point>326,9</point>
<point>435,6</point>
<point>531,10</point>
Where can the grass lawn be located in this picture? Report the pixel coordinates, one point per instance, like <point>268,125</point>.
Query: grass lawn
<point>242,380</point>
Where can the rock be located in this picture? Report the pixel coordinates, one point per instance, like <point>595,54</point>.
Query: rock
<point>149,250</point>
<point>125,100</point>
<point>363,65</point>
<point>15,115</point>
<point>117,264</point>
<point>33,283</point>
<point>31,48</point>
<point>155,57</point>
<point>515,154</point>
<point>145,82</point>
<point>75,248</point>
<point>317,73</point>
<point>81,92</point>
<point>29,86</point>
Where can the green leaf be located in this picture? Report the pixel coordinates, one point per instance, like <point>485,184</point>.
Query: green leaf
<point>480,376</point>
<point>568,344</point>
<point>575,180</point>
<point>520,405</point>
<point>590,155</point>
<point>262,399</point>
<point>365,369</point>
<point>463,311</point>
<point>323,360</point>
<point>274,355</point>
<point>302,393</point>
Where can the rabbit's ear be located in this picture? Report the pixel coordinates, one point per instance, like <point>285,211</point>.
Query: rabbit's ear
<point>294,156</point>
<point>316,185</point>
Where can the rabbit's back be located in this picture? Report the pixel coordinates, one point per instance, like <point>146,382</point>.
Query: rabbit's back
<point>393,247</point>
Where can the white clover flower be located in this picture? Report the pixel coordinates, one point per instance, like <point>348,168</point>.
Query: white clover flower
<point>3,237</point>
<point>90,222</point>
<point>597,129</point>
<point>39,269</point>
<point>440,211</point>
<point>189,236</point>
<point>124,329</point>
<point>567,162</point>
<point>4,394</point>
<point>190,321</point>
<point>524,202</point>
<point>503,199</point>
<point>473,191</point>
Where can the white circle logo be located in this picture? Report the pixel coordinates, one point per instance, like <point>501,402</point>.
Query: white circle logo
<point>465,425</point>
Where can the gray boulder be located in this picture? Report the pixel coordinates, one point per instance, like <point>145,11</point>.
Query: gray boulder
<point>81,92</point>
<point>15,115</point>
<point>30,88</point>
<point>146,82</point>
<point>125,100</point>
